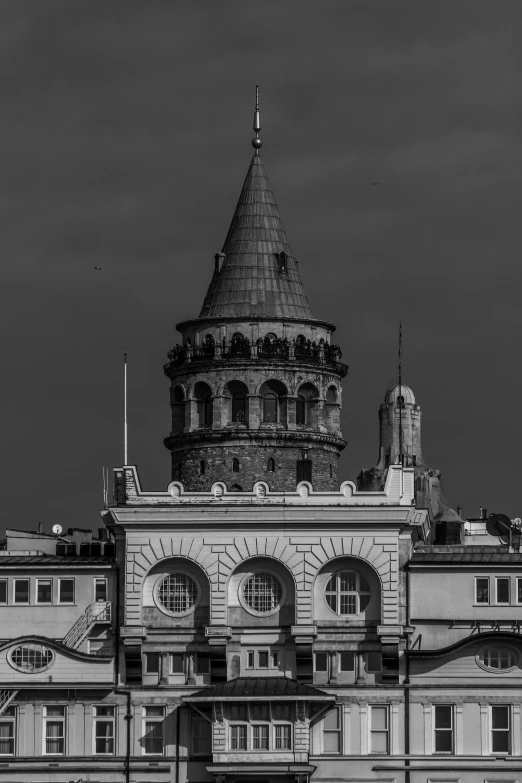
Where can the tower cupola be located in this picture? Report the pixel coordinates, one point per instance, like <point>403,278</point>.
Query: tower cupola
<point>255,380</point>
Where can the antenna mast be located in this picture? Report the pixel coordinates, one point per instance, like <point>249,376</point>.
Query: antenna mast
<point>401,455</point>
<point>125,408</point>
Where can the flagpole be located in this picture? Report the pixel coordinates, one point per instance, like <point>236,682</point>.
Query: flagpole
<point>125,408</point>
<point>401,457</point>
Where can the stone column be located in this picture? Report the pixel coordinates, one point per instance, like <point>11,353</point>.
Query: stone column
<point>191,415</point>
<point>254,411</point>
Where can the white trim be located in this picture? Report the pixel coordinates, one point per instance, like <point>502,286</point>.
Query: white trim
<point>103,719</point>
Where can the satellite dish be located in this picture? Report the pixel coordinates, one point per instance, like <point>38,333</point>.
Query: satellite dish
<point>499,525</point>
<point>57,530</point>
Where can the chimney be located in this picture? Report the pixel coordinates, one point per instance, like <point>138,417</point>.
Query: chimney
<point>459,511</point>
<point>40,527</point>
<point>483,513</point>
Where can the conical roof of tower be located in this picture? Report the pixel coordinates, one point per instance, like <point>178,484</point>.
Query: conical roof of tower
<point>250,282</point>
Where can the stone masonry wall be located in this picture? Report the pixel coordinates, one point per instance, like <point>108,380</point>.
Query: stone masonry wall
<point>253,461</point>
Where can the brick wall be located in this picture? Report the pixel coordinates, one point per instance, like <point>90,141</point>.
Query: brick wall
<point>253,461</point>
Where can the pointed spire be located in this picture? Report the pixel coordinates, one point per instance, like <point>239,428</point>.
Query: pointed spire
<point>257,143</point>
<point>259,276</point>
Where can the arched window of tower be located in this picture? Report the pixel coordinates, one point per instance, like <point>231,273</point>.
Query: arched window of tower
<point>236,400</point>
<point>332,410</point>
<point>306,405</point>
<point>270,407</point>
<point>300,410</point>
<point>235,465</point>
<point>273,394</point>
<point>270,466</point>
<point>237,344</point>
<point>178,410</point>
<point>209,345</point>
<point>202,467</point>
<point>203,394</point>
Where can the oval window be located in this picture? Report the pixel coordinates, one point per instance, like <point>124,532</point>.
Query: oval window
<point>177,594</point>
<point>498,658</point>
<point>262,593</point>
<point>31,658</point>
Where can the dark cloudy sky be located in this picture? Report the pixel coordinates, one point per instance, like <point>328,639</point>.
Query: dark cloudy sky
<point>125,134</point>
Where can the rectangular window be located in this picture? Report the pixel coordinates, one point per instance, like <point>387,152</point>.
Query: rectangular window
<point>283,737</point>
<point>66,591</point>
<point>21,591</point>
<point>201,736</point>
<point>177,663</point>
<point>152,743</point>
<point>3,591</point>
<point>482,590</point>
<point>443,728</point>
<point>275,659</point>
<point>502,585</point>
<point>152,663</point>
<point>202,663</point>
<point>347,662</point>
<point>44,591</point>
<point>54,731</point>
<point>332,731</point>
<point>321,662</point>
<point>379,729</point>
<point>519,591</point>
<point>263,659</point>
<point>100,590</point>
<point>7,732</point>
<point>501,728</point>
<point>250,659</point>
<point>238,737</point>
<point>104,730</point>
<point>260,737</point>
<point>373,662</point>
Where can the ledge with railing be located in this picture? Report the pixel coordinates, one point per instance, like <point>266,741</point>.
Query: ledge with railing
<point>276,349</point>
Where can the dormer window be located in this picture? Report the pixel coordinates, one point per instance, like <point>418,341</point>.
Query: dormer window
<point>281,261</point>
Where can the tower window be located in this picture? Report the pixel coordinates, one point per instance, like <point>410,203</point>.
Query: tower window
<point>281,261</point>
<point>331,470</point>
<point>270,466</point>
<point>235,465</point>
<point>400,401</point>
<point>239,407</point>
<point>270,407</point>
<point>300,410</point>
<point>202,467</point>
<point>207,417</point>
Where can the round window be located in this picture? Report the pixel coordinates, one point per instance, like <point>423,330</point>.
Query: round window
<point>31,658</point>
<point>347,592</point>
<point>262,593</point>
<point>177,594</point>
<point>498,658</point>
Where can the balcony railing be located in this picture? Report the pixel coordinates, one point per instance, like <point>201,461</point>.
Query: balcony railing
<point>277,349</point>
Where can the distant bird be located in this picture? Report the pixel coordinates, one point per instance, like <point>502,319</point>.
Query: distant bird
<point>375,183</point>
<point>98,268</point>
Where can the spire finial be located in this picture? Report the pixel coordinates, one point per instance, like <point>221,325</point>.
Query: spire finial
<point>257,143</point>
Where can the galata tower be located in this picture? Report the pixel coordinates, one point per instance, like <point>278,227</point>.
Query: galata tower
<point>255,380</point>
